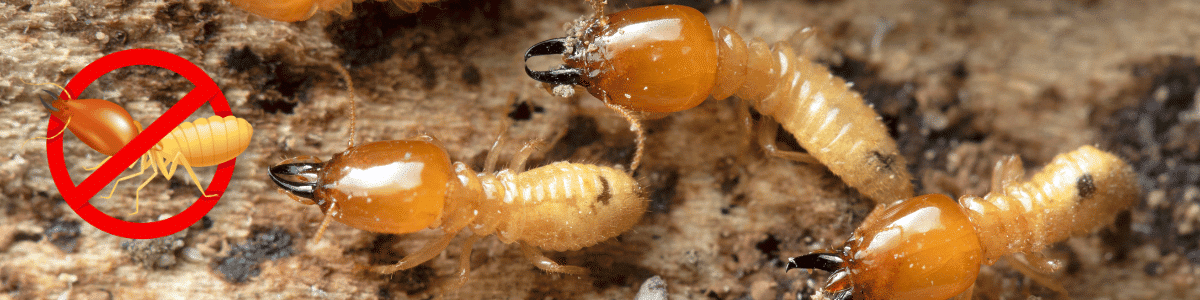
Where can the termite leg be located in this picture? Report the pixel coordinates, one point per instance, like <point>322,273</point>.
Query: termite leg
<point>489,164</point>
<point>1008,170</point>
<point>1039,277</point>
<point>519,160</point>
<point>743,111</point>
<point>1042,263</point>
<point>767,130</point>
<point>177,161</point>
<point>426,253</point>
<point>142,170</point>
<point>137,196</point>
<point>464,262</point>
<point>546,264</point>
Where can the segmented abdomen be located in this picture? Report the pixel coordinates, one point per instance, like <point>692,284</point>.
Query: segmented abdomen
<point>1076,193</point>
<point>207,142</point>
<point>828,119</point>
<point>567,206</point>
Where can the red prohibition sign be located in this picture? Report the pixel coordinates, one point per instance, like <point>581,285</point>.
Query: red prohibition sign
<point>77,197</point>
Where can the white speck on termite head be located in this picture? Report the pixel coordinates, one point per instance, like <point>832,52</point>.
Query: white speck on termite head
<point>407,155</point>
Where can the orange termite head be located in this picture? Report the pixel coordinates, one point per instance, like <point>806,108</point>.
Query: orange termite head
<point>291,10</point>
<point>397,186</point>
<point>653,59</point>
<point>102,125</point>
<point>921,248</point>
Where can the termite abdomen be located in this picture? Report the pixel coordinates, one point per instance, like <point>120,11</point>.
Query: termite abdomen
<point>1076,193</point>
<point>208,141</point>
<point>562,199</point>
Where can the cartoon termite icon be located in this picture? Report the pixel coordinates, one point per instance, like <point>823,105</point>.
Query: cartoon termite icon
<point>107,127</point>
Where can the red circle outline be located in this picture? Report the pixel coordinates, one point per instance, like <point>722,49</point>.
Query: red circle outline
<point>77,197</point>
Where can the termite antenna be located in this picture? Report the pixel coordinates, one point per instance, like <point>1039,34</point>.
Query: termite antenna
<point>827,262</point>
<point>561,76</point>
<point>636,127</point>
<point>598,9</point>
<point>353,105</point>
<point>325,223</point>
<point>64,129</point>
<point>52,94</point>
<point>735,13</point>
<point>49,107</point>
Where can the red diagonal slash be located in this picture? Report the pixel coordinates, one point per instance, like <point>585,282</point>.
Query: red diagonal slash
<point>140,144</point>
<point>77,198</point>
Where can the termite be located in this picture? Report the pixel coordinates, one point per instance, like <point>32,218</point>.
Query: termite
<point>404,186</point>
<point>107,127</point>
<point>300,10</point>
<point>930,247</point>
<point>663,59</point>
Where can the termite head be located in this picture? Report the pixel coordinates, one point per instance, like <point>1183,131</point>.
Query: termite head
<point>102,125</point>
<point>920,248</point>
<point>653,59</point>
<point>292,11</point>
<point>396,186</point>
